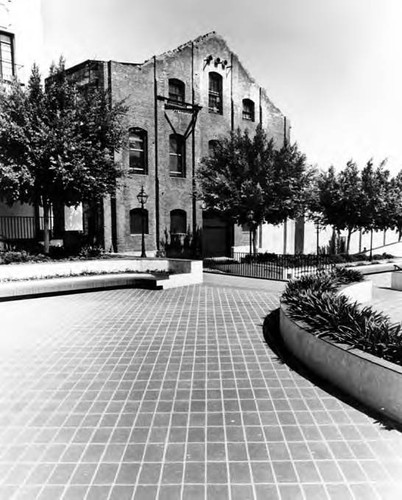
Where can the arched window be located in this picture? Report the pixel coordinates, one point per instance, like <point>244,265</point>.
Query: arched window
<point>177,153</point>
<point>215,93</point>
<point>178,221</point>
<point>138,150</point>
<point>136,219</point>
<point>248,110</point>
<point>212,145</point>
<point>176,91</point>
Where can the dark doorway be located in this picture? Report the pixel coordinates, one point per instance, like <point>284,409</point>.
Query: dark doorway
<point>217,235</point>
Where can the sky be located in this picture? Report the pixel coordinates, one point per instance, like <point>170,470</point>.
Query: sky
<point>333,67</point>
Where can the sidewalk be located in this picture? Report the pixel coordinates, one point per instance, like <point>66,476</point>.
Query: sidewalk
<point>386,299</point>
<point>174,395</point>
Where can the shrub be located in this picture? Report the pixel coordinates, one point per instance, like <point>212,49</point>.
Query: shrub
<point>313,300</point>
<point>91,252</point>
<point>182,246</point>
<point>17,257</point>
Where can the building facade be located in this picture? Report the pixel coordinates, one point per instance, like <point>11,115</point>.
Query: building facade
<point>180,103</point>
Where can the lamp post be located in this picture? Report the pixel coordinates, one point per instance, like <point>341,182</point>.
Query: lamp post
<point>142,198</point>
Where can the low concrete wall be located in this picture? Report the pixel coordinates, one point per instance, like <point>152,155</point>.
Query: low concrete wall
<point>396,280</point>
<point>31,288</point>
<point>376,268</point>
<point>370,380</point>
<point>47,269</point>
<point>186,272</point>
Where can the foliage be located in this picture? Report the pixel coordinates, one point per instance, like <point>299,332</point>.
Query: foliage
<point>339,199</point>
<point>58,143</point>
<point>344,275</point>
<point>376,209</point>
<point>310,259</point>
<point>327,281</point>
<point>395,203</point>
<point>314,301</point>
<point>12,256</point>
<point>91,252</point>
<point>250,182</point>
<point>351,199</point>
<point>178,246</point>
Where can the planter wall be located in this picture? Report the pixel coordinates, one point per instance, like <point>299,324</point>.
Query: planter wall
<point>45,269</point>
<point>372,381</point>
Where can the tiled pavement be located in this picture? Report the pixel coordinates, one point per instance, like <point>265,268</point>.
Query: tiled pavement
<point>174,395</point>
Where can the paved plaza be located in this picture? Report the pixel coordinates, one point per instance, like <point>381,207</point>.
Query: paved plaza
<point>139,394</point>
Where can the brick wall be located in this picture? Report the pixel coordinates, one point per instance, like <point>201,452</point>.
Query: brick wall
<point>138,84</point>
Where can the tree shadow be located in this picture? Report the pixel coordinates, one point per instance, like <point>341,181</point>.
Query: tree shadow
<point>275,342</point>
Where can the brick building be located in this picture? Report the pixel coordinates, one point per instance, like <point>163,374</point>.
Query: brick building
<point>179,102</point>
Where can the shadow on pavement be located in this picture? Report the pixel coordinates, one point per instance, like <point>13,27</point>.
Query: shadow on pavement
<point>275,342</point>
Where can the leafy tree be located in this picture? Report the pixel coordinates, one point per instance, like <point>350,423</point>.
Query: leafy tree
<point>394,205</point>
<point>376,207</point>
<point>58,143</point>
<point>250,182</point>
<point>340,199</point>
<point>352,199</point>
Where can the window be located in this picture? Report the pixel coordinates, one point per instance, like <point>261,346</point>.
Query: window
<point>248,110</point>
<point>176,155</point>
<point>212,145</point>
<point>136,216</point>
<point>176,91</point>
<point>6,56</point>
<point>138,150</point>
<point>178,222</point>
<point>215,93</point>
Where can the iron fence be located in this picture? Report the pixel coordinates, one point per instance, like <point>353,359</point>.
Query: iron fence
<point>270,266</point>
<point>13,228</point>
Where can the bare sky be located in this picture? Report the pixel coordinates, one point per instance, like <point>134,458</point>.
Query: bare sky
<point>334,67</point>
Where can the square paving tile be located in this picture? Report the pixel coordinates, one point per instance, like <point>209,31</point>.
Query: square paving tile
<point>174,395</point>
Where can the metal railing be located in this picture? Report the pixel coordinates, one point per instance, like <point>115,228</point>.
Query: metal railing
<point>270,266</point>
<point>14,228</point>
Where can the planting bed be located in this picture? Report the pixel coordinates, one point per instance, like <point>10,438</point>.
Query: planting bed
<point>374,382</point>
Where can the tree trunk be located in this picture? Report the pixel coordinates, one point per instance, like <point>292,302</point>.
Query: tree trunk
<point>348,241</point>
<point>333,246</point>
<point>46,236</point>
<point>371,245</point>
<point>254,238</point>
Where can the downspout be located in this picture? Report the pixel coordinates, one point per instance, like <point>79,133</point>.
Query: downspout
<point>285,236</point>
<point>231,95</point>
<point>156,158</point>
<point>193,145</point>
<point>113,205</point>
<point>285,139</point>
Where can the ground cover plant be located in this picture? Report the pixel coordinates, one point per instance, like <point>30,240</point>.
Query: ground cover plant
<point>71,274</point>
<point>295,260</point>
<point>313,300</point>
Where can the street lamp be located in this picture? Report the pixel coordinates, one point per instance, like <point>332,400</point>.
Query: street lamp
<point>142,198</point>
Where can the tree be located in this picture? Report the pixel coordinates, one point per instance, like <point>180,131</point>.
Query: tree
<point>339,200</point>
<point>376,207</point>
<point>351,199</point>
<point>394,205</point>
<point>58,143</point>
<point>250,182</point>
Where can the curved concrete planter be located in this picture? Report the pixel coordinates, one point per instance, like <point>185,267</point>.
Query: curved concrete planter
<point>370,380</point>
<point>185,272</point>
